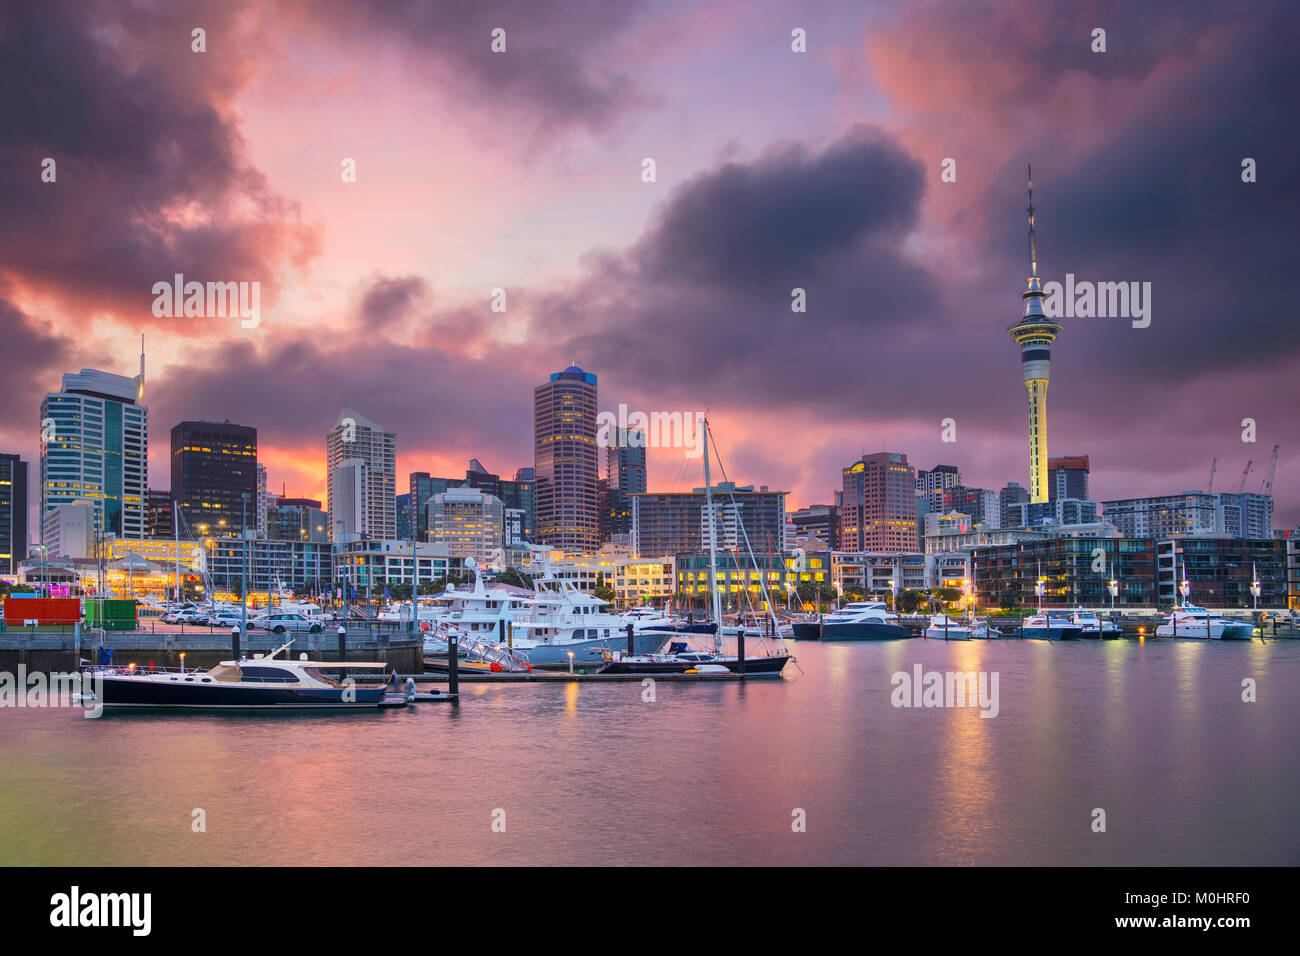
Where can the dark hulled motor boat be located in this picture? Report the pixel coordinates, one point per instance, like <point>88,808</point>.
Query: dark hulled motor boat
<point>680,659</point>
<point>857,621</point>
<point>263,683</point>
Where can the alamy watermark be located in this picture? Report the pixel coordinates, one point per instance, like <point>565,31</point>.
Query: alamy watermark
<point>215,300</point>
<point>651,430</point>
<point>922,688</point>
<point>56,689</point>
<point>1102,300</point>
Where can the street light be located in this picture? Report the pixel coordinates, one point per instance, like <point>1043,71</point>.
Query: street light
<point>1255,588</point>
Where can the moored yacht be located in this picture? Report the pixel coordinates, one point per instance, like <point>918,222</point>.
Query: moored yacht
<point>1051,626</point>
<point>1092,626</point>
<point>856,621</point>
<point>1191,621</point>
<point>262,683</point>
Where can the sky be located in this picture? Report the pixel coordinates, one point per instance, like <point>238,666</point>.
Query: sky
<point>775,170</point>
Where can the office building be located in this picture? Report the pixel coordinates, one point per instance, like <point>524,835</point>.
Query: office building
<point>214,476</point>
<point>878,510</point>
<point>13,513</point>
<point>95,446</point>
<point>674,522</point>
<point>565,458</point>
<point>1067,477</point>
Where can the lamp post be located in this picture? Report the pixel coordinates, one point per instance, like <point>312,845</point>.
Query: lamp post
<point>893,592</point>
<point>1255,588</point>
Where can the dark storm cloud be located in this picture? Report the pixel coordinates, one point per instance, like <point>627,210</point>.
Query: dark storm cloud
<point>151,173</point>
<point>701,304</point>
<point>552,75</point>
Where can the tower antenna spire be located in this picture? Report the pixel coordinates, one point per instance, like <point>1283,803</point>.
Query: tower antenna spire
<point>1033,235</point>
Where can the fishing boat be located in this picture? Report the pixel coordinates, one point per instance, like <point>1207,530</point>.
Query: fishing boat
<point>1191,621</point>
<point>856,621</point>
<point>262,683</point>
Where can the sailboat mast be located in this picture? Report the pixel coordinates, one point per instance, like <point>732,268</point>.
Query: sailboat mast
<point>713,544</point>
<point>176,532</point>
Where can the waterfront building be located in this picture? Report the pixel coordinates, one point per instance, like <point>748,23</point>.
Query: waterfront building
<point>566,460</point>
<point>878,504</point>
<point>1067,477</point>
<point>1219,571</point>
<point>633,579</point>
<point>376,564</point>
<point>361,462</point>
<point>213,466</point>
<point>1223,514</point>
<point>1034,333</point>
<point>740,580</point>
<point>95,446</point>
<point>872,572</point>
<point>674,522</point>
<point>470,522</point>
<point>13,513</point>
<point>956,539</point>
<point>301,565</point>
<point>1067,567</point>
<point>1011,494</point>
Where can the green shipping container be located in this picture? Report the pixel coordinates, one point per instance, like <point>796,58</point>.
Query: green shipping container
<point>118,614</point>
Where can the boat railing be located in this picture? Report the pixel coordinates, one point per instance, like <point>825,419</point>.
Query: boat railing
<point>489,652</point>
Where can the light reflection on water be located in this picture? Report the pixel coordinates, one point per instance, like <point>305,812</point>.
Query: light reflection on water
<point>1155,733</point>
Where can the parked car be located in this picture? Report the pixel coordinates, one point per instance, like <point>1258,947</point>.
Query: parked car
<point>283,622</point>
<point>225,619</point>
<point>185,616</point>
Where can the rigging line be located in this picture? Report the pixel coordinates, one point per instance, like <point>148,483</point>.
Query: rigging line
<point>776,631</point>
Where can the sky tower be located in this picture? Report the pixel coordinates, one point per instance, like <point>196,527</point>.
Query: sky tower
<point>1035,333</point>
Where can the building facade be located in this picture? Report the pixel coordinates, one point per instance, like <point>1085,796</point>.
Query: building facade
<point>470,523</point>
<point>566,461</point>
<point>95,446</point>
<point>1074,571</point>
<point>361,460</point>
<point>214,476</point>
<point>13,513</point>
<point>878,504</point>
<point>673,522</point>
<point>1067,477</point>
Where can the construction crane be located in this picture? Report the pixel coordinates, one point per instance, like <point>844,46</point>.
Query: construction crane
<point>1272,470</point>
<point>1214,463</point>
<point>1241,485</point>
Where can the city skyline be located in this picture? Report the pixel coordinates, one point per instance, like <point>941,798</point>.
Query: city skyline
<point>695,269</point>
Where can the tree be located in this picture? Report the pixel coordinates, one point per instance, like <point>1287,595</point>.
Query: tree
<point>603,590</point>
<point>1008,598</point>
<point>909,602</point>
<point>515,578</point>
<point>948,595</point>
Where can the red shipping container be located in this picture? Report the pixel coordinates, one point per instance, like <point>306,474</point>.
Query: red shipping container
<point>47,610</point>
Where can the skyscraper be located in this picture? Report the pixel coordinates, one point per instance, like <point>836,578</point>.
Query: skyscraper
<point>878,504</point>
<point>1035,333</point>
<point>95,446</point>
<point>566,459</point>
<point>214,464</point>
<point>13,513</point>
<point>361,462</point>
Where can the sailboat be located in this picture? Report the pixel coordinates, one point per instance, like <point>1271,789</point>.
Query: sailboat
<point>766,665</point>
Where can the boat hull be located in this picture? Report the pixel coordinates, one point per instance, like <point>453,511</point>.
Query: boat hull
<point>1053,632</point>
<point>135,692</point>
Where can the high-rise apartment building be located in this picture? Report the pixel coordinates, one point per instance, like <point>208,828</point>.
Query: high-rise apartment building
<point>361,460</point>
<point>1067,477</point>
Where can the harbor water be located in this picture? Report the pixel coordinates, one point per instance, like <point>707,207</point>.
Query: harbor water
<point>1155,734</point>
